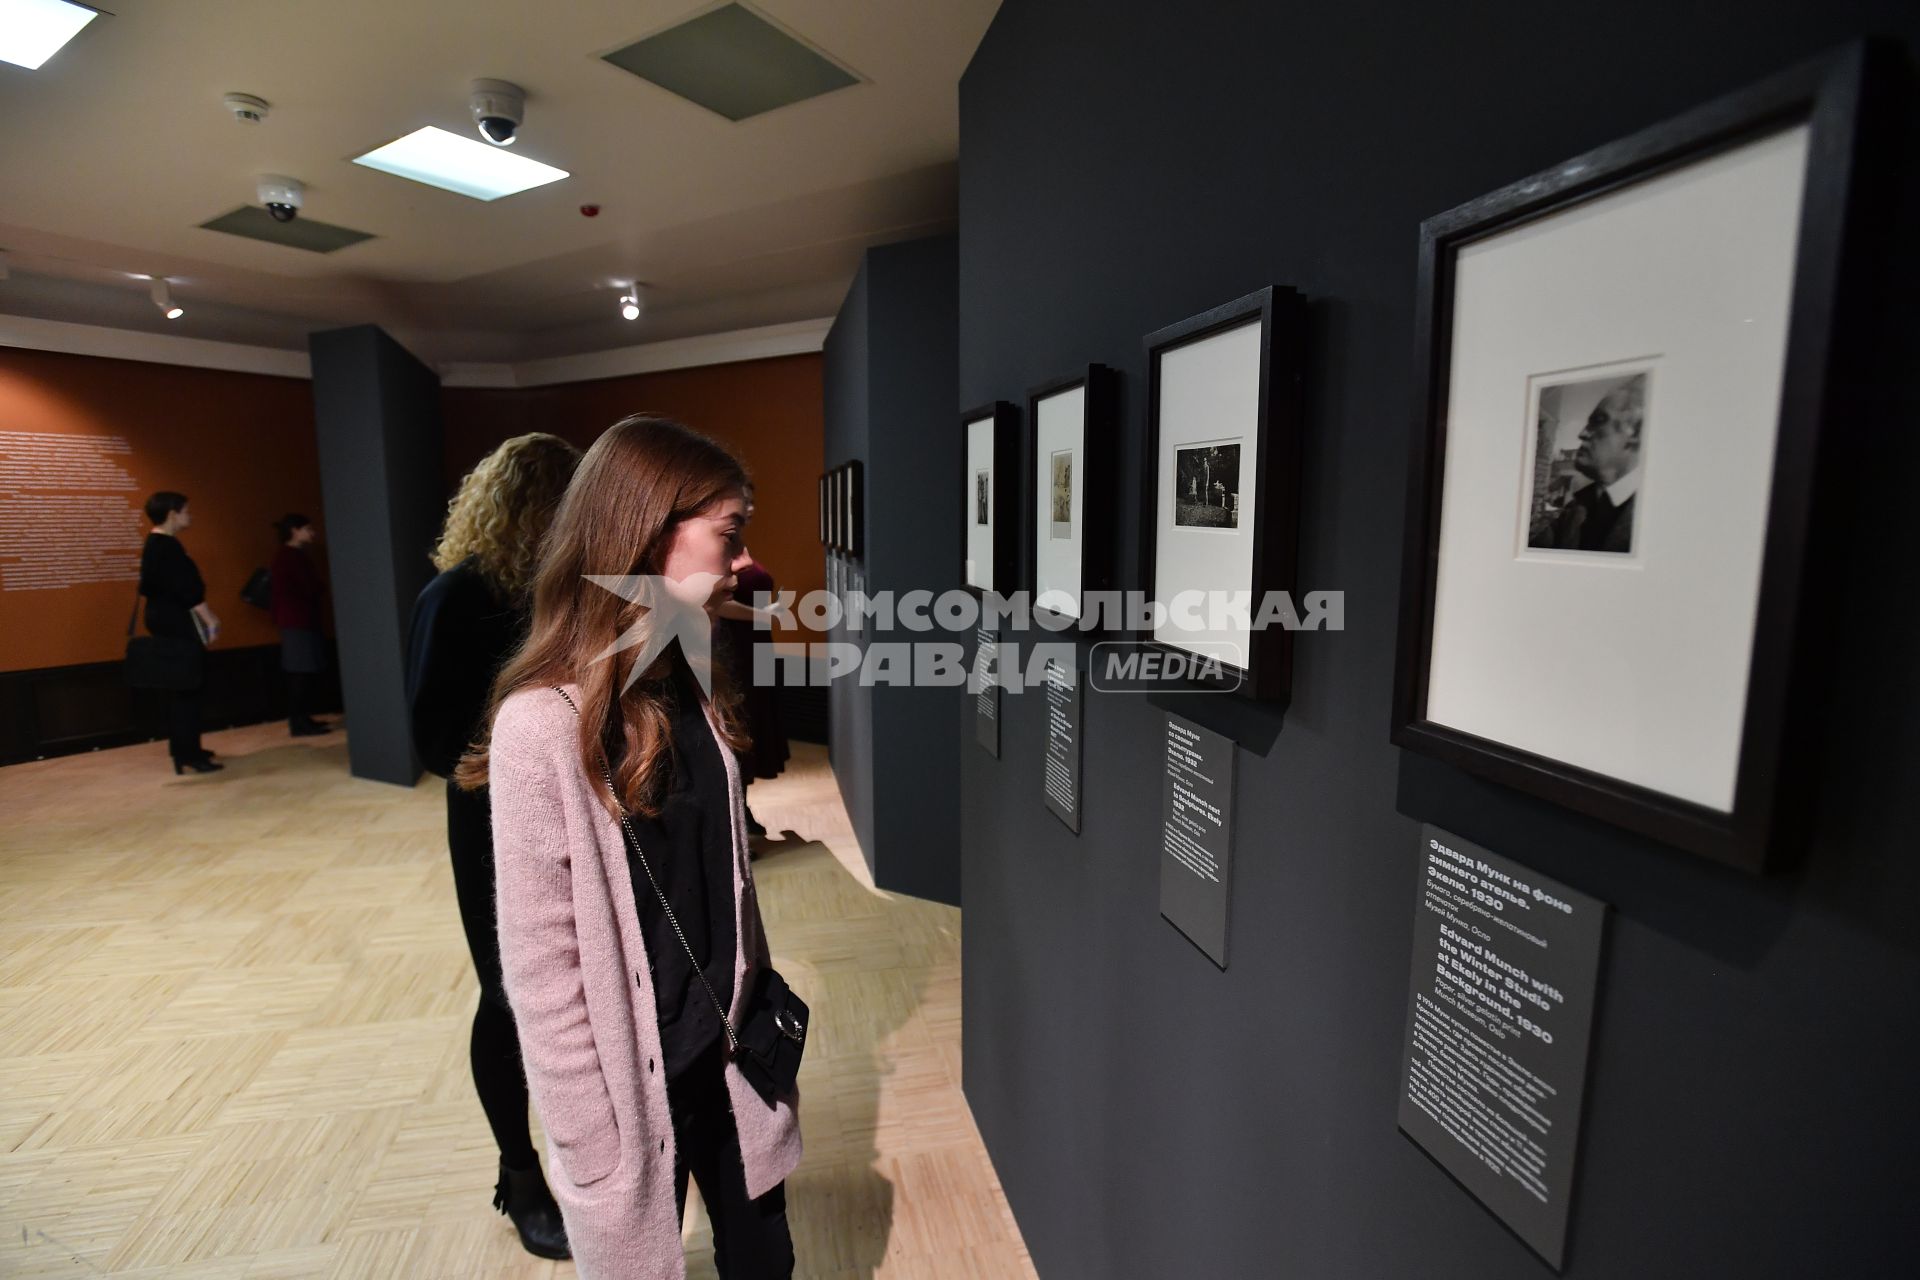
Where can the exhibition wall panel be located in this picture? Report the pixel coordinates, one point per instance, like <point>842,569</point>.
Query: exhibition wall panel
<point>377,411</point>
<point>1746,1106</point>
<point>84,440</point>
<point>89,427</point>
<point>847,368</point>
<point>890,408</point>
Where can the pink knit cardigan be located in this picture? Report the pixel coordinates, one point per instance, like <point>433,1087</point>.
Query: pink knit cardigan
<point>575,968</point>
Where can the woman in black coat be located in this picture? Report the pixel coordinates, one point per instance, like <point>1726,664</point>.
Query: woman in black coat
<point>466,623</point>
<point>175,595</point>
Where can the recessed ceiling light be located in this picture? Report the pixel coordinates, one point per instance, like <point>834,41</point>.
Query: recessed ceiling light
<point>461,165</point>
<point>31,31</point>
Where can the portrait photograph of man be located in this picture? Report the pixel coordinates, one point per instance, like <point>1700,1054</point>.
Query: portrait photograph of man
<point>1588,464</point>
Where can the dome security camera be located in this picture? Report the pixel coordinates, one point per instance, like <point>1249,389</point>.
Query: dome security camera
<point>498,110</point>
<point>282,196</point>
<point>246,108</point>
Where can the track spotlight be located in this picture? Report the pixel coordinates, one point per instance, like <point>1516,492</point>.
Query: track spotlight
<point>163,299</point>
<point>630,305</point>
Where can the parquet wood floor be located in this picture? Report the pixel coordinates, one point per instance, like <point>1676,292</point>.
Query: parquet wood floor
<point>234,1013</point>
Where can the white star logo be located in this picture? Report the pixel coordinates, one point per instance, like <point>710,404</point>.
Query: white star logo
<point>674,611</point>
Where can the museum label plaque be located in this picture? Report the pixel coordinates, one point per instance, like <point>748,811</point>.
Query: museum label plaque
<point>1505,963</point>
<point>1196,834</point>
<point>1062,780</point>
<point>985,685</point>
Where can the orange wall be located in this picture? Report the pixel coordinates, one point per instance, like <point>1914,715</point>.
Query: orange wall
<point>240,446</point>
<point>768,412</point>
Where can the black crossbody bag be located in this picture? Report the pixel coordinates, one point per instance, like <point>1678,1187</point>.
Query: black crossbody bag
<point>772,1035</point>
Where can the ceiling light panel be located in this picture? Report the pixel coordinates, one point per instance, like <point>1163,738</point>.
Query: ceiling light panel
<point>31,31</point>
<point>462,165</point>
<point>732,62</point>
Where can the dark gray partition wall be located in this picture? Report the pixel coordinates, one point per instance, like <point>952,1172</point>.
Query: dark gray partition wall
<point>890,403</point>
<point>1749,1111</point>
<point>378,415</point>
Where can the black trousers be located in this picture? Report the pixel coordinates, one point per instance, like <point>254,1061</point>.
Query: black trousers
<point>183,724</point>
<point>494,1050</point>
<point>299,698</point>
<point>751,1240</point>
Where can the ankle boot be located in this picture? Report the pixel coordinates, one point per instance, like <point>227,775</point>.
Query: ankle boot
<point>523,1196</point>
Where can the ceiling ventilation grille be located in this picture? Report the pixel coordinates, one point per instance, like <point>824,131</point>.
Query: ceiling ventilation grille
<point>733,62</point>
<point>256,223</point>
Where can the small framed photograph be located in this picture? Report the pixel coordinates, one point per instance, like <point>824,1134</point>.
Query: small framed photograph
<point>853,510</point>
<point>1223,480</point>
<point>1623,370</point>
<point>1071,489</point>
<point>990,533</point>
<point>836,520</point>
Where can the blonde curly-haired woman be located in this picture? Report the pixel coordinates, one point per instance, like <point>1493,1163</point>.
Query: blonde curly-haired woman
<point>466,623</point>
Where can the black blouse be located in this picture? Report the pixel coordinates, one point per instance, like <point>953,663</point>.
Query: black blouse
<point>458,639</point>
<point>690,848</point>
<point>171,583</point>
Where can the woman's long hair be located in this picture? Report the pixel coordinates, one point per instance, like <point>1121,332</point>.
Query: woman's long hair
<point>640,479</point>
<point>502,509</point>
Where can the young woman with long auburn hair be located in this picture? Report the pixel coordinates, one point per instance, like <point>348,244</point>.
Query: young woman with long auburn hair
<point>625,1054</point>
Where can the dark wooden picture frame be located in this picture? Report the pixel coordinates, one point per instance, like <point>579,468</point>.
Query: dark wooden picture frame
<point>1767,818</point>
<point>836,524</point>
<point>853,505</point>
<point>1098,481</point>
<point>1281,313</point>
<point>1004,538</point>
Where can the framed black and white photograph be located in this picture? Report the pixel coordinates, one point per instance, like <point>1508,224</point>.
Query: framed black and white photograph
<point>1222,482</point>
<point>853,514</point>
<point>990,457</point>
<point>1206,485</point>
<point>836,505</point>
<point>1588,459</point>
<point>1623,372</point>
<point>1070,495</point>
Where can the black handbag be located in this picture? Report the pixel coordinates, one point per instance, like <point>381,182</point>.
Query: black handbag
<point>773,1032</point>
<point>162,662</point>
<point>259,590</point>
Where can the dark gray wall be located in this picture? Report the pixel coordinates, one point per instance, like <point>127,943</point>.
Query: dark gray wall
<point>1749,1111</point>
<point>890,388</point>
<point>845,361</point>
<point>377,411</point>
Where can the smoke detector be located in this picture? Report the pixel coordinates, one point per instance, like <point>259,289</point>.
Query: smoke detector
<point>246,108</point>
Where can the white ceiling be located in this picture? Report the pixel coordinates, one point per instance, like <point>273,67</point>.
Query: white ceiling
<point>116,149</point>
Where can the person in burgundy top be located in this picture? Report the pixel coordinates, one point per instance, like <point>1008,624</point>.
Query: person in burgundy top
<point>298,597</point>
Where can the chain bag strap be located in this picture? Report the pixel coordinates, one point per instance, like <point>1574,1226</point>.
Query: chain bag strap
<point>779,1014</point>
